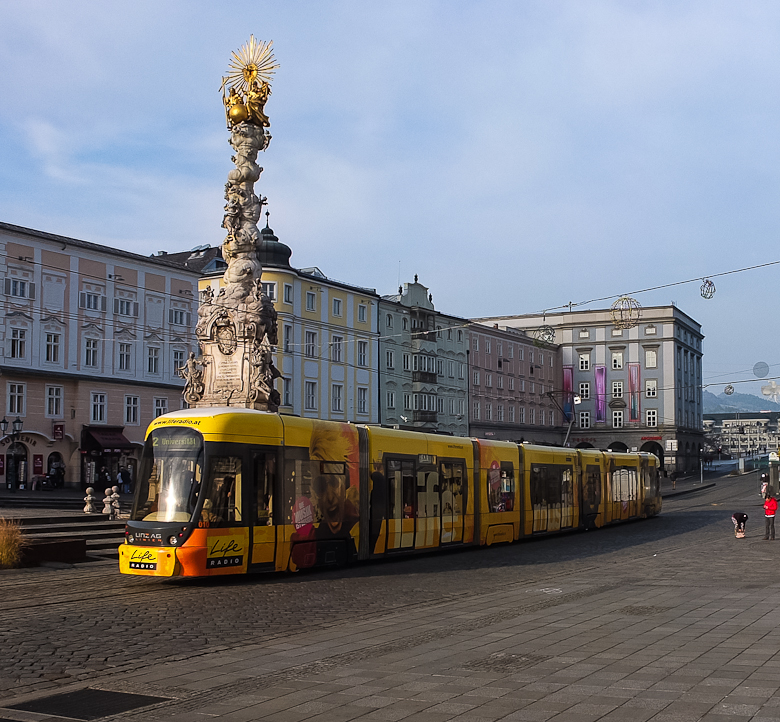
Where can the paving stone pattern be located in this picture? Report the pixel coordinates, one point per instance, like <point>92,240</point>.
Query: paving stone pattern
<point>669,619</point>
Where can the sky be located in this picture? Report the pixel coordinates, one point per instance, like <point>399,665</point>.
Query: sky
<point>518,156</point>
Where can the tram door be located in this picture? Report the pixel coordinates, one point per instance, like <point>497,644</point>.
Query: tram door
<point>591,494</point>
<point>402,503</point>
<point>453,489</point>
<point>263,469</point>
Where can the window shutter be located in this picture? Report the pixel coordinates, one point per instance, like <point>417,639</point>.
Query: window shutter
<point>102,303</point>
<point>135,309</point>
<point>82,299</point>
<point>7,287</point>
<point>116,306</point>
<point>31,291</point>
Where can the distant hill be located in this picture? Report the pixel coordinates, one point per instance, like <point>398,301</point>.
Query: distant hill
<point>722,404</point>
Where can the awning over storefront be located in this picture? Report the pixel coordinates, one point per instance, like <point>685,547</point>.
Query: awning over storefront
<point>106,439</point>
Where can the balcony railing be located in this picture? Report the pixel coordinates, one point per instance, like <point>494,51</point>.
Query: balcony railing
<point>423,377</point>
<point>424,416</point>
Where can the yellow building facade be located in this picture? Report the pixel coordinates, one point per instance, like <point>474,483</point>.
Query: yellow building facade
<point>328,338</point>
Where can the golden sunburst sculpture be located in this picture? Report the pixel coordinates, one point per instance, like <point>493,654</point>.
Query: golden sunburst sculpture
<point>249,76</point>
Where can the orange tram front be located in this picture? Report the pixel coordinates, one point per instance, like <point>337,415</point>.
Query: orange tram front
<point>228,491</point>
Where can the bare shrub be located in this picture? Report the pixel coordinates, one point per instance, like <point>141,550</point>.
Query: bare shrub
<point>12,542</point>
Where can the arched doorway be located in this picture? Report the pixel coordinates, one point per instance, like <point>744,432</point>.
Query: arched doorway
<point>584,445</point>
<point>653,447</point>
<point>16,467</point>
<point>55,468</point>
<point>617,446</point>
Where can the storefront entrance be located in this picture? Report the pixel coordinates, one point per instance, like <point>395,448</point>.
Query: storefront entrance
<point>104,450</point>
<point>17,467</point>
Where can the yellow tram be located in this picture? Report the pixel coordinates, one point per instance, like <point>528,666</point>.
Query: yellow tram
<point>229,491</point>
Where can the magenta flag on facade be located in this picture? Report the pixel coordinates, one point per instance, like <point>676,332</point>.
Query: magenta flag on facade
<point>568,382</point>
<point>633,392</point>
<point>601,393</point>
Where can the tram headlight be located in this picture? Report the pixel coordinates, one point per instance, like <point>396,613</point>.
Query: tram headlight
<point>130,539</point>
<point>173,541</point>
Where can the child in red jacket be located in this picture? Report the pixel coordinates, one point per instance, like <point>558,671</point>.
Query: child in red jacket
<point>770,508</point>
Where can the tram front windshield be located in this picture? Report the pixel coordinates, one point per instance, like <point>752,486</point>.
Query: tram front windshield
<point>170,476</point>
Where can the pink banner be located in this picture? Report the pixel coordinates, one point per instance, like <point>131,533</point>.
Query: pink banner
<point>633,393</point>
<point>568,383</point>
<point>601,393</point>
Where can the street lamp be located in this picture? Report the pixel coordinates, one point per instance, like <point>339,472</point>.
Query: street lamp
<point>16,431</point>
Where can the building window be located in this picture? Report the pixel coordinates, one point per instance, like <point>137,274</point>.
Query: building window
<point>269,289</point>
<point>475,343</point>
<point>487,345</point>
<point>500,412</point>
<point>288,332</point>
<point>651,388</point>
<point>16,399</point>
<point>362,313</point>
<point>98,408</point>
<point>584,391</point>
<point>521,418</point>
<point>651,358</point>
<point>407,402</point>
<point>476,378</point>
<point>287,392</point>
<point>511,383</point>
<point>178,361</point>
<point>460,336</point>
<point>92,301</point>
<point>160,407</point>
<point>311,344</point>
<point>336,400</point>
<point>407,362</point>
<point>617,419</point>
<point>362,400</point>
<point>451,369</point>
<point>91,352</point>
<point>584,419</point>
<point>617,389</point>
<point>53,348</point>
<point>617,359</point>
<point>310,399</point>
<point>512,414</point>
<point>336,348</point>
<point>131,410</point>
<point>17,288</point>
<point>405,323</point>
<point>389,321</point>
<point>532,415</point>
<point>541,417</point>
<point>311,301</point>
<point>288,290</point>
<point>391,399</point>
<point>499,382</point>
<point>449,334</point>
<point>461,406</point>
<point>476,412</point>
<point>178,317</point>
<point>337,307</point>
<point>652,417</point>
<point>362,354</point>
<point>124,356</point>
<point>390,359</point>
<point>18,343</point>
<point>552,418</point>
<point>584,362</point>
<point>153,360</point>
<point>54,402</point>
<point>462,371</point>
<point>488,379</point>
<point>440,367</point>
<point>488,412</point>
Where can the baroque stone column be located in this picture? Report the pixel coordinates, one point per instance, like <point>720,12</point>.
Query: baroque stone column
<point>237,328</point>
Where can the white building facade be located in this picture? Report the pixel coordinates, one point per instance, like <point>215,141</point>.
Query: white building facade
<point>640,388</point>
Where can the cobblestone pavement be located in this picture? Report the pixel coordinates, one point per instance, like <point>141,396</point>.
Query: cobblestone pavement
<point>669,619</point>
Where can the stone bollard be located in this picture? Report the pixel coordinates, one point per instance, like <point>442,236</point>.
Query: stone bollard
<point>107,502</point>
<point>114,503</point>
<point>89,507</point>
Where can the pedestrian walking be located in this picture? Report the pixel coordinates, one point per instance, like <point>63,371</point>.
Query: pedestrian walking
<point>673,478</point>
<point>740,521</point>
<point>770,509</point>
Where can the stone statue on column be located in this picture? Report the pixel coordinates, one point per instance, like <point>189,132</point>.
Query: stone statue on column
<point>237,327</point>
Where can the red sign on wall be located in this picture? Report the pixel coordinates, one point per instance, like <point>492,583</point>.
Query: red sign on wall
<point>37,463</point>
<point>58,431</point>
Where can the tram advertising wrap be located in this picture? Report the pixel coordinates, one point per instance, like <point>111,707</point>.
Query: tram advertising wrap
<point>230,491</point>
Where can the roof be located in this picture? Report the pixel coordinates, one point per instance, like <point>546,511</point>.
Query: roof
<point>163,260</point>
<point>197,259</point>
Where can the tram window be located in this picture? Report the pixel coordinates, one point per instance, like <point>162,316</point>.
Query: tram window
<point>452,488</point>
<point>319,491</point>
<point>265,471</point>
<point>427,494</point>
<point>624,484</point>
<point>501,487</point>
<point>551,485</point>
<point>222,506</point>
<point>592,483</point>
<point>402,489</point>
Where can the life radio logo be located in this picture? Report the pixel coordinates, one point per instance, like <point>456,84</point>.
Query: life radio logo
<point>143,559</point>
<point>225,552</point>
